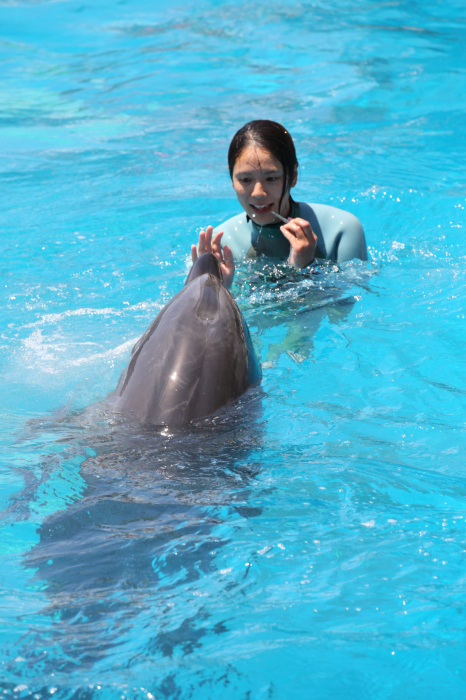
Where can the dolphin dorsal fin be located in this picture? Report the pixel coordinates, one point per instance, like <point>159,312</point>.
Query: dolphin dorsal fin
<point>206,263</point>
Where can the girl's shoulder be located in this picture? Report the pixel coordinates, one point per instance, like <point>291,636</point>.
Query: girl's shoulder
<point>340,235</point>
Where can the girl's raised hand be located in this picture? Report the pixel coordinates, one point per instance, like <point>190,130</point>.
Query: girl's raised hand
<point>303,242</point>
<point>207,244</point>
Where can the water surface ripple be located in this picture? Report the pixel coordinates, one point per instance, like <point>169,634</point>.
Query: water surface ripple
<point>310,541</point>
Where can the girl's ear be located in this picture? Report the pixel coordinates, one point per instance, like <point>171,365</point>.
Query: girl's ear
<point>295,175</point>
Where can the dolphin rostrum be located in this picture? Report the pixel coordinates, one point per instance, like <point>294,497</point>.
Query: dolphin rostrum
<point>195,357</point>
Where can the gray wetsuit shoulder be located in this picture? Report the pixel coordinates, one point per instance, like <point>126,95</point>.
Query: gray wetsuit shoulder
<point>340,236</point>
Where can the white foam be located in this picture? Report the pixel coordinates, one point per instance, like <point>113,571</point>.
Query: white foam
<point>108,311</point>
<point>54,358</point>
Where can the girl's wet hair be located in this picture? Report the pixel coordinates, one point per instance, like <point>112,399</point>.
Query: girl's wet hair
<point>271,136</point>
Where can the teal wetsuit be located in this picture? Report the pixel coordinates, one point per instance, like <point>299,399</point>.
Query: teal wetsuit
<point>340,236</point>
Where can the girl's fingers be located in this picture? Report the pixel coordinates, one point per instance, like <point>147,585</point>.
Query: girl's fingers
<point>208,238</point>
<point>216,246</point>
<point>291,232</point>
<point>228,267</point>
<point>225,258</point>
<point>202,242</point>
<point>209,244</point>
<point>300,230</point>
<point>306,229</point>
<point>228,255</point>
<point>205,240</point>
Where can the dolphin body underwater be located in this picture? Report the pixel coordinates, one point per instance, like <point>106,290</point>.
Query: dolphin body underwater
<point>195,357</point>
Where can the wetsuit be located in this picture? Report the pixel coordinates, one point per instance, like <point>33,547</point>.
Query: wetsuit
<point>340,235</point>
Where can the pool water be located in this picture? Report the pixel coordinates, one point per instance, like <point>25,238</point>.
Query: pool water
<point>309,542</point>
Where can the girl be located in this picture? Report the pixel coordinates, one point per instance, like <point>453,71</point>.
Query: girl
<point>263,169</point>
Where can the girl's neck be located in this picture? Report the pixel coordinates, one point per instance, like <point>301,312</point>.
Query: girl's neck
<point>288,208</point>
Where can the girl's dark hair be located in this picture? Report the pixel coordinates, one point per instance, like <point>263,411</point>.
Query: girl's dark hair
<point>271,136</point>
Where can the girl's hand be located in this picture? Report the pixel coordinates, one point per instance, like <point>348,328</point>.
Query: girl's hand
<point>225,257</point>
<point>303,242</point>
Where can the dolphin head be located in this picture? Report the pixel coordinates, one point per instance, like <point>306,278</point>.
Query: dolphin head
<point>194,358</point>
<point>208,264</point>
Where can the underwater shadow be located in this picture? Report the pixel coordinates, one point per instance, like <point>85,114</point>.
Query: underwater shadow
<point>145,531</point>
<point>273,295</point>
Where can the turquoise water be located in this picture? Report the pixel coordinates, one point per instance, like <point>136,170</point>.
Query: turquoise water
<point>311,542</point>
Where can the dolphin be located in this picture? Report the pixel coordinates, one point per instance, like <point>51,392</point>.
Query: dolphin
<point>195,357</point>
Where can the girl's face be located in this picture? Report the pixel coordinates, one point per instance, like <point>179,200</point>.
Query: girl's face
<point>258,182</point>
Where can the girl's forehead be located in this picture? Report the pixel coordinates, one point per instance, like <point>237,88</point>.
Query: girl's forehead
<point>254,158</point>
